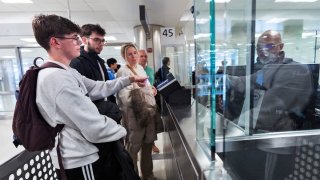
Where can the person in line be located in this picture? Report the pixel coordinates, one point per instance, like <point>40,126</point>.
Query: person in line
<point>163,71</point>
<point>150,73</point>
<point>65,97</point>
<point>89,64</point>
<point>139,138</point>
<point>282,91</point>
<point>112,66</point>
<point>118,67</point>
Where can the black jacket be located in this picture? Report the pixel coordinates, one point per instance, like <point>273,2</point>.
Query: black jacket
<point>162,73</point>
<point>87,65</point>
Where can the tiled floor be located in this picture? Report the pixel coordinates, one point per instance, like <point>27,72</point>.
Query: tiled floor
<point>7,150</point>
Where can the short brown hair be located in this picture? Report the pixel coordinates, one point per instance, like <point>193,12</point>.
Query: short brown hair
<point>165,61</point>
<point>47,26</point>
<point>88,29</point>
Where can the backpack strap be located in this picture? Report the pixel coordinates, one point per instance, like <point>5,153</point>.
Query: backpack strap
<point>50,65</point>
<point>62,171</point>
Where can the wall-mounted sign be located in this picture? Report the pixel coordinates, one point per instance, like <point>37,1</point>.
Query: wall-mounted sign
<point>149,50</point>
<point>168,35</point>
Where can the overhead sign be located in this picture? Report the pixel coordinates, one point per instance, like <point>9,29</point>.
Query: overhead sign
<point>168,35</point>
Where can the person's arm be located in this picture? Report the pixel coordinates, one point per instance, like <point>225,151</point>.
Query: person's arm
<point>123,98</point>
<point>289,92</point>
<point>101,89</point>
<point>62,101</point>
<point>79,109</point>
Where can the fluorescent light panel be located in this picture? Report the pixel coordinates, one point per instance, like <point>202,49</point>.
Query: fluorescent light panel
<point>31,40</point>
<point>218,1</point>
<point>8,57</point>
<point>17,1</point>
<point>110,38</point>
<point>294,1</point>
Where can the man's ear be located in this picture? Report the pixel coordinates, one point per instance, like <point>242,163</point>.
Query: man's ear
<point>84,40</point>
<point>281,46</point>
<point>53,42</point>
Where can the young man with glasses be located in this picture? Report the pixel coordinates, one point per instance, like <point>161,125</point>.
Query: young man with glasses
<point>64,97</point>
<point>89,63</point>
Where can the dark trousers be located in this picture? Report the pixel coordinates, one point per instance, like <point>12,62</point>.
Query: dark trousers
<point>85,172</point>
<point>106,167</point>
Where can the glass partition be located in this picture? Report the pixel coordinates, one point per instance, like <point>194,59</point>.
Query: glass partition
<point>257,80</point>
<point>8,79</point>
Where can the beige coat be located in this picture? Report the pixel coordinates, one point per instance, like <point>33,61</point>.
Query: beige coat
<point>135,133</point>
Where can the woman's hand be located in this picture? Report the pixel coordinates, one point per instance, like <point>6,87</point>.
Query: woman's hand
<point>154,90</point>
<point>138,79</point>
<point>141,84</point>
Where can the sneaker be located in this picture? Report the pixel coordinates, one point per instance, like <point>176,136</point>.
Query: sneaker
<point>155,149</point>
<point>149,178</point>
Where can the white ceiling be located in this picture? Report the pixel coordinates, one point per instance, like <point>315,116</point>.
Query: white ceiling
<point>118,17</point>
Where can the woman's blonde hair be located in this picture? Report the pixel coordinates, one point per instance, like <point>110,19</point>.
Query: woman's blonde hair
<point>124,49</point>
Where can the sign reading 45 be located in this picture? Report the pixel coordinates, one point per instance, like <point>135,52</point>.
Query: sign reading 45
<point>167,35</point>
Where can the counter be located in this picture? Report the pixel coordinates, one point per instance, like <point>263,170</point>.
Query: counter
<point>187,157</point>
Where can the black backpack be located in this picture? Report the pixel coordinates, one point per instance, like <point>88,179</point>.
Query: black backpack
<point>29,127</point>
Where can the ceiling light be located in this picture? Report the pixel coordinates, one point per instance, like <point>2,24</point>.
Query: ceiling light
<point>25,50</point>
<point>32,45</point>
<point>117,47</point>
<point>202,20</point>
<point>16,1</point>
<point>218,1</point>
<point>294,1</point>
<point>31,40</point>
<point>8,57</point>
<point>110,38</point>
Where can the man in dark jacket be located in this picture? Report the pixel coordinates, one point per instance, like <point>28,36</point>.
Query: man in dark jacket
<point>89,63</point>
<point>162,73</point>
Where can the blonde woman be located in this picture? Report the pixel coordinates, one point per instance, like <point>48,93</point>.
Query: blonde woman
<point>140,135</point>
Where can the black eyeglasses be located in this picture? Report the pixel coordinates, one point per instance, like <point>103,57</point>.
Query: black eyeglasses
<point>266,46</point>
<point>98,40</point>
<point>76,38</point>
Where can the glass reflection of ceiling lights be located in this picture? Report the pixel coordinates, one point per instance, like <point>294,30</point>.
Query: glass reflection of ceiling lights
<point>202,20</point>
<point>305,35</point>
<point>276,20</point>
<point>202,35</point>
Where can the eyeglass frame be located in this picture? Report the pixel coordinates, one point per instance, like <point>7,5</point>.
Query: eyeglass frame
<point>268,46</point>
<point>98,40</point>
<point>76,38</point>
